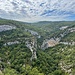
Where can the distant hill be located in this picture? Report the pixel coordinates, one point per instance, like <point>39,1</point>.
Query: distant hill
<point>0,18</point>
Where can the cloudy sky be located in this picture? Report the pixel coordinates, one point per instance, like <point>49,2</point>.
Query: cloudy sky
<point>38,10</point>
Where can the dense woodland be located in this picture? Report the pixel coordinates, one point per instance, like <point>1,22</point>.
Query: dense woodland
<point>15,58</point>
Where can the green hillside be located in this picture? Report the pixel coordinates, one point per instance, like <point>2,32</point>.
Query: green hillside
<point>18,39</point>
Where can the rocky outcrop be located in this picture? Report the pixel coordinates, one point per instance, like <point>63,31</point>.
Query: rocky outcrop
<point>32,45</point>
<point>49,43</point>
<point>6,27</point>
<point>34,33</point>
<point>63,27</point>
<point>68,43</point>
<point>66,68</point>
<point>11,43</point>
<point>72,29</point>
<point>54,41</point>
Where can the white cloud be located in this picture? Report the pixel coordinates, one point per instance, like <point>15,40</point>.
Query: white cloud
<point>36,10</point>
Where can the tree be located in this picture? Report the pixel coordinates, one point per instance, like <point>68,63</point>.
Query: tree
<point>59,72</point>
<point>9,71</point>
<point>35,71</point>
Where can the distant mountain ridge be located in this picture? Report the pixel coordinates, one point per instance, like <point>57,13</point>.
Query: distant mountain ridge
<point>41,22</point>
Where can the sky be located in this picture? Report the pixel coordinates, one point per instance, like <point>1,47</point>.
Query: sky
<point>38,10</point>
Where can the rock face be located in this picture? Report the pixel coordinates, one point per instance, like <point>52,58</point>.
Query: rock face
<point>49,43</point>
<point>34,55</point>
<point>11,43</point>
<point>34,33</point>
<point>32,45</point>
<point>54,41</point>
<point>6,27</point>
<point>63,27</point>
<point>66,68</point>
<point>72,29</point>
<point>68,43</point>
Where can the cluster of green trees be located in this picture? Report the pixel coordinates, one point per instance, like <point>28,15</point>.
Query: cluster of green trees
<point>15,60</point>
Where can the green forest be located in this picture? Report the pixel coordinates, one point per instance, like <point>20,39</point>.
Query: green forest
<point>15,57</point>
